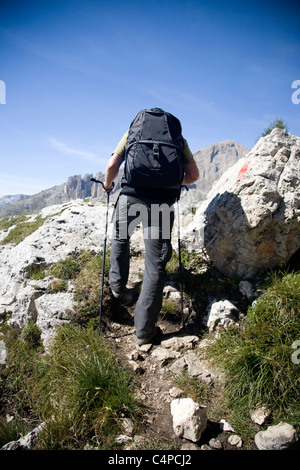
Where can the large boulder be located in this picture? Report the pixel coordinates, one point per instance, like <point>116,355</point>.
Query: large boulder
<point>250,220</point>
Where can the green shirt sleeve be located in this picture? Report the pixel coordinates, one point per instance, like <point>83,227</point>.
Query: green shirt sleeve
<point>188,156</point>
<point>121,147</point>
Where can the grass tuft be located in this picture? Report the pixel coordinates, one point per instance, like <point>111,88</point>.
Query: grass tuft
<point>77,388</point>
<point>22,230</point>
<point>257,357</point>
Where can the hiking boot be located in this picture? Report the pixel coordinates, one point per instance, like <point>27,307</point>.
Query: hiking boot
<point>125,297</point>
<point>150,338</point>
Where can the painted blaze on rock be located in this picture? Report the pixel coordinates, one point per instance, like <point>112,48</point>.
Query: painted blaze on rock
<point>250,220</point>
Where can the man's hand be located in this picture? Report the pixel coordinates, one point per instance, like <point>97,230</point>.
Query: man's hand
<point>106,189</point>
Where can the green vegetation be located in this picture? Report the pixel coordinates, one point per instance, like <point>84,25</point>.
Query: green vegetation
<point>80,391</point>
<point>257,357</point>
<point>12,430</point>
<point>59,285</point>
<point>278,123</point>
<point>77,388</point>
<point>22,229</point>
<point>199,391</point>
<point>84,269</point>
<point>7,222</point>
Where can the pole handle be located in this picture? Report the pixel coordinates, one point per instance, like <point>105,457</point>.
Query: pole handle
<point>102,184</point>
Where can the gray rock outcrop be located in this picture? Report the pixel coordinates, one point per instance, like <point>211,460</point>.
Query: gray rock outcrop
<point>250,220</point>
<point>67,228</point>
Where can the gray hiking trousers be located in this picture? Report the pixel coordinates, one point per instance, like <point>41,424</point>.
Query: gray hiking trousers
<point>157,222</point>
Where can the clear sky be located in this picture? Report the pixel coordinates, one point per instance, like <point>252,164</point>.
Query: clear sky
<point>74,73</point>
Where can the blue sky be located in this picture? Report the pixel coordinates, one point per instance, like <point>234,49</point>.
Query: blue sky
<point>76,73</point>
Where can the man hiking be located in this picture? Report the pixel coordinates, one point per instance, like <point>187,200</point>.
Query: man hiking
<point>158,162</point>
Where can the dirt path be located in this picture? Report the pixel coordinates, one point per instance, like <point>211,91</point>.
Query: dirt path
<point>152,366</point>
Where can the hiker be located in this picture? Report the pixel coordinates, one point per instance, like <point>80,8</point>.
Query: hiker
<point>150,191</point>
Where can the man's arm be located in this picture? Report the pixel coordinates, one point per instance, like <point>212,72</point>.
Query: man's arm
<point>191,173</point>
<point>112,169</point>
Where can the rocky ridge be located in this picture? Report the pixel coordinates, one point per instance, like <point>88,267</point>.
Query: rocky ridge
<point>213,160</point>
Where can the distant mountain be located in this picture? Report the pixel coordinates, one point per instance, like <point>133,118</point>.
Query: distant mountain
<point>11,199</point>
<point>75,187</point>
<point>212,161</point>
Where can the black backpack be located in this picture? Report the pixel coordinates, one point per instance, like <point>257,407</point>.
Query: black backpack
<point>154,151</point>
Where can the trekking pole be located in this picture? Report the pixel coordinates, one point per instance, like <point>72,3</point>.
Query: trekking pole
<point>179,259</point>
<point>104,249</point>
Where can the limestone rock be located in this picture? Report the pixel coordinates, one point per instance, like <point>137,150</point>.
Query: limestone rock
<point>215,444</point>
<point>221,314</point>
<point>226,427</point>
<point>164,356</point>
<point>246,288</point>
<point>260,415</point>
<point>3,353</point>
<point>176,392</point>
<point>127,425</point>
<point>26,442</point>
<point>277,437</point>
<point>52,311</point>
<point>136,368</point>
<point>189,418</point>
<point>198,368</point>
<point>235,440</point>
<point>189,446</point>
<point>250,220</point>
<point>67,228</point>
<point>180,342</point>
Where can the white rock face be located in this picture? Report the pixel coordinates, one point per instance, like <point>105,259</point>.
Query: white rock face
<point>69,227</point>
<point>189,418</point>
<point>250,220</point>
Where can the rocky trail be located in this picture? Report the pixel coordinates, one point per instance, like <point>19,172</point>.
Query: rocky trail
<point>157,366</point>
<point>247,225</point>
